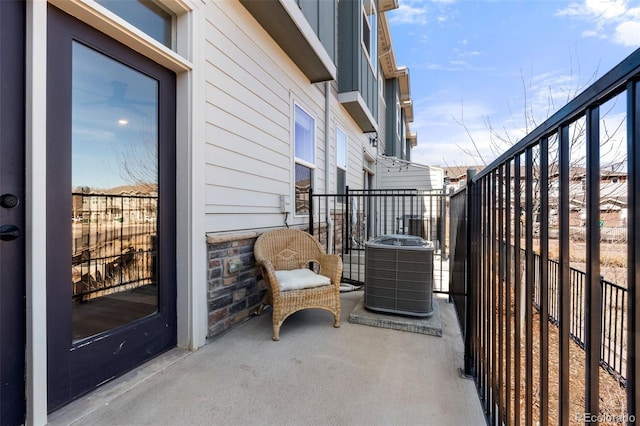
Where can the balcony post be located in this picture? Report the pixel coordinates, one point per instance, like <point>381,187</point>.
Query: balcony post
<point>633,247</point>
<point>564,287</point>
<point>471,210</point>
<point>311,211</point>
<point>593,302</point>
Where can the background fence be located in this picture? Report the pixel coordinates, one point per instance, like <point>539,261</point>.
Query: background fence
<point>345,222</point>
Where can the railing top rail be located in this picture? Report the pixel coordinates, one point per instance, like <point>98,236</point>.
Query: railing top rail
<point>608,86</point>
<point>100,195</point>
<point>384,192</point>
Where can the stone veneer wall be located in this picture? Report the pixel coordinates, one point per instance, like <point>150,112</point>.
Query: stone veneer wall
<point>232,296</point>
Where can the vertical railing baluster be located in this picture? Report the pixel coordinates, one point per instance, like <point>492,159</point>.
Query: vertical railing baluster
<point>564,284</point>
<point>605,354</point>
<point>508,292</point>
<point>311,230</point>
<point>500,289</point>
<point>517,281</point>
<point>346,241</point>
<point>609,315</point>
<point>493,255</point>
<point>592,286</point>
<point>486,277</point>
<point>471,355</point>
<point>483,292</point>
<point>616,362</point>
<point>529,284</point>
<point>544,281</point>
<point>633,247</point>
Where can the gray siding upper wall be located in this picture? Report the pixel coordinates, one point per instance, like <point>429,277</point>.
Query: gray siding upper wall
<point>349,46</point>
<point>392,142</point>
<point>354,70</point>
<point>322,15</point>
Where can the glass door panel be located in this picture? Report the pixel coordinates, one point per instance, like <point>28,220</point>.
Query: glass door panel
<point>114,185</point>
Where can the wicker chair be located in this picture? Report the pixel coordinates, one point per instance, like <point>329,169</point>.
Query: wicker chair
<point>285,256</point>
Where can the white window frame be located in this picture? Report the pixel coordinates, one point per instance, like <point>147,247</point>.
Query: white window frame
<point>302,161</point>
<point>370,19</point>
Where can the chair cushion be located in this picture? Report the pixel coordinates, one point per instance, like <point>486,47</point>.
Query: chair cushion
<point>297,279</point>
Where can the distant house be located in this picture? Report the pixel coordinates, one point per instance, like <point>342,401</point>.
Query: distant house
<point>613,192</point>
<point>456,177</point>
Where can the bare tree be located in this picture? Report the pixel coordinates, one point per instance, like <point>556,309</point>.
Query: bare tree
<point>138,163</point>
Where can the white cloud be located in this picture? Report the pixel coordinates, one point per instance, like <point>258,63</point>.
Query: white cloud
<point>609,19</point>
<point>603,9</point>
<point>420,12</point>
<point>409,14</point>
<point>628,33</point>
<point>593,33</point>
<point>606,9</point>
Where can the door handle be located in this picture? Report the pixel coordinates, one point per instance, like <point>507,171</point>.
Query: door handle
<point>9,232</point>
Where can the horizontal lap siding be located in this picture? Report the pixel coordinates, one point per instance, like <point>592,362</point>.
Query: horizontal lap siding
<point>413,178</point>
<point>249,92</point>
<point>355,163</point>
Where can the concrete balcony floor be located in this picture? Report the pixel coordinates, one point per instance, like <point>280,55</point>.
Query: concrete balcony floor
<point>315,375</point>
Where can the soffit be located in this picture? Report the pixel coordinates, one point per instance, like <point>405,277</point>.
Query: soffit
<point>385,5</point>
<point>385,45</point>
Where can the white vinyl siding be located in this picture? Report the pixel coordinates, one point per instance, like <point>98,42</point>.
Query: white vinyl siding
<point>250,89</point>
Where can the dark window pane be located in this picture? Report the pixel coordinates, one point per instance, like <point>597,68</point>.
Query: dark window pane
<point>366,33</point>
<point>342,183</point>
<point>303,184</point>
<point>145,15</point>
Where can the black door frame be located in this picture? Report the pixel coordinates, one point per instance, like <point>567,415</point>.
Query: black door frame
<point>12,181</point>
<point>75,369</point>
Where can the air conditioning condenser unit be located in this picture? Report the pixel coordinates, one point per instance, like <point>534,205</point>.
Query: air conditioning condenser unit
<point>399,275</point>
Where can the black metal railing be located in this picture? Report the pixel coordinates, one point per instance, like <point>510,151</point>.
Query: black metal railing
<point>516,359</point>
<point>614,306</point>
<point>357,216</point>
<point>114,243</point>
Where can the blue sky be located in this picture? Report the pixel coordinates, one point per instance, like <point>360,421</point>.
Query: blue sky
<point>479,62</point>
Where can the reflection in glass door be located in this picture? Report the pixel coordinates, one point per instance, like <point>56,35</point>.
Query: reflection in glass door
<point>114,183</point>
